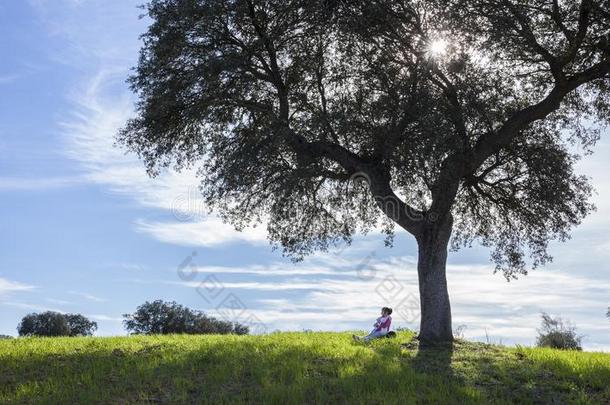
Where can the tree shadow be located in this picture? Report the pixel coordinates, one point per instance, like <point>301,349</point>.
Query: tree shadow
<point>286,370</point>
<point>434,358</point>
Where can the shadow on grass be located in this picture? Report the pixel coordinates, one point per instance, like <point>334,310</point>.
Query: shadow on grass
<point>268,371</point>
<point>226,372</point>
<point>435,359</point>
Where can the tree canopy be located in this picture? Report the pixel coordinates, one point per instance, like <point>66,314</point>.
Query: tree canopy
<point>463,118</point>
<point>56,324</point>
<point>280,103</point>
<point>160,317</point>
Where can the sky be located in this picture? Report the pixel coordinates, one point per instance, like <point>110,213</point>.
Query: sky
<point>85,230</point>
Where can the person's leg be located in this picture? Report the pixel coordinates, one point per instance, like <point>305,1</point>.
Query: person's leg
<point>366,338</point>
<point>373,335</point>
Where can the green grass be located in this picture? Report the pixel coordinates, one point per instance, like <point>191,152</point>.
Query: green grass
<point>292,368</point>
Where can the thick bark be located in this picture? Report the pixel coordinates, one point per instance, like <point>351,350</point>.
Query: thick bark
<point>435,326</point>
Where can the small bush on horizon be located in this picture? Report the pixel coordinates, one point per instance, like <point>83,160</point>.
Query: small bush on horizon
<point>160,317</point>
<point>5,337</point>
<point>458,333</point>
<point>52,323</point>
<point>557,334</point>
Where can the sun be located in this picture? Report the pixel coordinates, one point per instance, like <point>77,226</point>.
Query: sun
<point>437,47</point>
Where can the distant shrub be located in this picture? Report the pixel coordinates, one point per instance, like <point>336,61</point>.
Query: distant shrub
<point>160,317</point>
<point>557,334</point>
<point>55,324</point>
<point>240,329</point>
<point>458,333</point>
<point>3,337</point>
<point>79,325</point>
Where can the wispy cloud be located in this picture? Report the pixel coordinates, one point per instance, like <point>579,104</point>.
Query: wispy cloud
<point>87,296</point>
<point>8,78</point>
<point>105,318</point>
<point>209,232</point>
<point>129,266</point>
<point>32,307</point>
<point>59,302</point>
<point>103,104</point>
<point>7,287</point>
<point>40,184</point>
<point>89,138</point>
<point>274,269</point>
<point>483,301</point>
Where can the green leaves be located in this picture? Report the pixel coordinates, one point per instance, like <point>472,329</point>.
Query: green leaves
<point>55,324</point>
<point>279,103</point>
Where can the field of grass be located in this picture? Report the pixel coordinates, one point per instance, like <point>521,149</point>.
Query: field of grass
<point>292,368</point>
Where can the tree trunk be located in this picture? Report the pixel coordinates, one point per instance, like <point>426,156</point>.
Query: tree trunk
<point>435,326</point>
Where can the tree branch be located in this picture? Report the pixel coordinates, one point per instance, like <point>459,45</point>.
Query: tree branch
<point>556,16</point>
<point>493,142</point>
<point>583,25</point>
<point>307,152</point>
<point>529,36</point>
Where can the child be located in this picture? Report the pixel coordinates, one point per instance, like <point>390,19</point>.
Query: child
<point>382,326</point>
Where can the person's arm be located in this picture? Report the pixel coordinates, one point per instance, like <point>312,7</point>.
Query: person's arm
<point>386,323</point>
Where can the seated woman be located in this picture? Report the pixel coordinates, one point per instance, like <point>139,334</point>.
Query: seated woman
<point>382,326</point>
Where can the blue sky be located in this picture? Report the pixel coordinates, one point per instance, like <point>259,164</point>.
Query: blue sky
<point>85,230</point>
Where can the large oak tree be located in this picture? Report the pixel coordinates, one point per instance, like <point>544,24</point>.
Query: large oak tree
<point>464,118</point>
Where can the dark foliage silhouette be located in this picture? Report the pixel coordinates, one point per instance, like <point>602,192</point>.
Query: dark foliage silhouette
<point>160,317</point>
<point>558,334</point>
<point>280,105</point>
<point>55,324</point>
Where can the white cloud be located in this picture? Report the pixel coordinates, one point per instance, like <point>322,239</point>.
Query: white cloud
<point>209,232</point>
<point>274,269</point>
<point>33,307</point>
<point>105,318</point>
<point>489,306</point>
<point>87,296</point>
<point>39,184</point>
<point>89,137</point>
<point>59,302</point>
<point>596,167</point>
<point>8,287</point>
<point>102,105</point>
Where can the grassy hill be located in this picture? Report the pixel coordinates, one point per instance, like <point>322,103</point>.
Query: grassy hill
<point>292,368</point>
